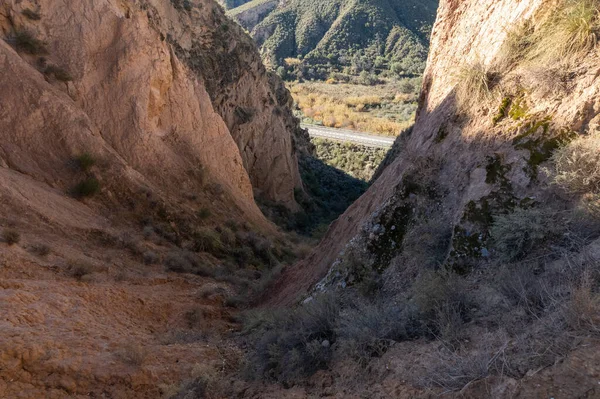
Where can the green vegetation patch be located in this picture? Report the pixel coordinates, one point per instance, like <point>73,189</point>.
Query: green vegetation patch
<point>358,161</point>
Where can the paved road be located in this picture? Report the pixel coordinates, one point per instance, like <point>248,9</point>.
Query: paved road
<point>351,136</point>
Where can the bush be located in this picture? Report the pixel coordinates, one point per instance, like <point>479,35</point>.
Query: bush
<point>515,234</point>
<point>85,161</point>
<point>86,188</point>
<point>187,262</point>
<point>576,166</point>
<point>367,330</point>
<point>32,15</point>
<point>11,236</point>
<point>290,344</point>
<point>40,249</point>
<point>80,269</point>
<point>150,257</point>
<point>443,304</point>
<point>207,240</point>
<point>204,213</point>
<point>24,41</point>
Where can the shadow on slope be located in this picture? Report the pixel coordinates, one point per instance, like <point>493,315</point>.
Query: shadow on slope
<point>329,192</point>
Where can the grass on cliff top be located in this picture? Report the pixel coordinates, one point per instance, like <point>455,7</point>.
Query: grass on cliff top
<point>563,33</point>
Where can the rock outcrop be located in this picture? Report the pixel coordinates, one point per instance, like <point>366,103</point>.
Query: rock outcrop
<point>253,103</point>
<point>461,163</point>
<point>250,16</point>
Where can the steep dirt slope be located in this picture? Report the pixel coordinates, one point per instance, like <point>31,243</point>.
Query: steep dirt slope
<point>113,160</point>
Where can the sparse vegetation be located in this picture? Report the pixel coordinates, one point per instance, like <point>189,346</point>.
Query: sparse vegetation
<point>291,344</point>
<point>27,43</point>
<point>11,236</point>
<point>187,262</point>
<point>572,29</point>
<point>358,161</point>
<point>86,188</point>
<point>32,15</point>
<point>80,269</point>
<point>576,166</point>
<point>59,73</point>
<point>132,354</point>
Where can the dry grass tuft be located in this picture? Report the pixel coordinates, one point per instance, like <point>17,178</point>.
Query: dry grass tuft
<point>576,166</point>
<point>474,83</point>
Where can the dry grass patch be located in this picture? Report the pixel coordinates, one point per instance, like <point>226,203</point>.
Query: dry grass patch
<point>474,83</point>
<point>576,166</point>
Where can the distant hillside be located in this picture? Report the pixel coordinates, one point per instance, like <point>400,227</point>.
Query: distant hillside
<point>315,38</point>
<point>229,4</point>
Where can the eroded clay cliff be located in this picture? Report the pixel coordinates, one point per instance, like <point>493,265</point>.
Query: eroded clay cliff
<point>113,157</point>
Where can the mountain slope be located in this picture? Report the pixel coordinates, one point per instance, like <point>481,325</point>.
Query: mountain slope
<point>118,179</point>
<point>483,233</point>
<point>334,31</point>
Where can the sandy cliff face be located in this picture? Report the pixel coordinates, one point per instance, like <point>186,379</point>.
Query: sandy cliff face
<point>126,89</point>
<point>253,103</point>
<point>471,165</point>
<point>100,78</point>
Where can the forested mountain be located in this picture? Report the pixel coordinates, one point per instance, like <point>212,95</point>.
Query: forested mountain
<point>314,38</point>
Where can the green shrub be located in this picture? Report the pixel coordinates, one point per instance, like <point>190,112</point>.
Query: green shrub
<point>516,234</point>
<point>24,41</point>
<point>11,236</point>
<point>208,240</point>
<point>85,161</point>
<point>86,188</point>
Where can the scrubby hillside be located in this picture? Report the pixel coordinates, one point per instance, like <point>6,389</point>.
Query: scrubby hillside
<point>127,219</point>
<point>322,37</point>
<point>471,264</point>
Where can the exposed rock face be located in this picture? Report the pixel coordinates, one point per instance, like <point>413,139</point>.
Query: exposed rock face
<point>457,167</point>
<point>252,102</point>
<point>250,17</point>
<point>126,90</point>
